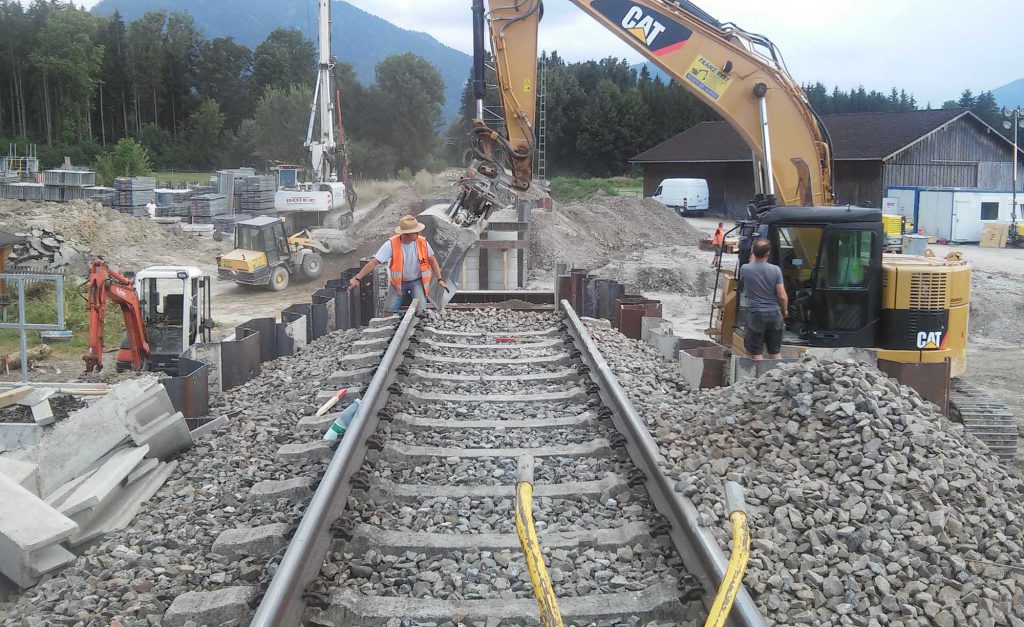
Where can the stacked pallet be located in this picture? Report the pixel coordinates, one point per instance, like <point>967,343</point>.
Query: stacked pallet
<point>131,195</point>
<point>256,194</point>
<point>226,223</point>
<point>173,203</point>
<point>206,207</point>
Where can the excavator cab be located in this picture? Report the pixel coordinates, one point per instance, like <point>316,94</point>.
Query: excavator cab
<point>176,312</point>
<point>831,262</point>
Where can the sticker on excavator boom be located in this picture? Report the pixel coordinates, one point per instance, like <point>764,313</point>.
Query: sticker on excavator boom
<point>658,33</point>
<point>711,81</point>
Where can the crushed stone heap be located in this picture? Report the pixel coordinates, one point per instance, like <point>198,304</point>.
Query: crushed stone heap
<point>867,506</point>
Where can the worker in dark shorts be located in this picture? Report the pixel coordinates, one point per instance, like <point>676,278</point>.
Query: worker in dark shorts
<point>766,301</point>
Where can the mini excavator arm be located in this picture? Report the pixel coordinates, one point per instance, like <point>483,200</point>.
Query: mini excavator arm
<point>104,283</point>
<point>739,74</point>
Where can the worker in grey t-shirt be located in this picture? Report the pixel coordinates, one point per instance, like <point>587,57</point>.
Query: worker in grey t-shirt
<point>766,302</point>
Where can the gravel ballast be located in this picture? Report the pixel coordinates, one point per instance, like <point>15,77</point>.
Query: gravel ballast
<point>867,506</point>
<point>135,574</point>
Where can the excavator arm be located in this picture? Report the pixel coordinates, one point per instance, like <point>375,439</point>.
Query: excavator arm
<point>739,74</point>
<point>104,283</point>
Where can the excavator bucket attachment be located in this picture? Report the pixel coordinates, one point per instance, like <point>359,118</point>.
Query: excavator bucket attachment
<point>450,241</point>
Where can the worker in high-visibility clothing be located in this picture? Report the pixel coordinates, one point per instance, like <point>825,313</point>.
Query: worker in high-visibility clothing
<point>716,241</point>
<point>411,265</point>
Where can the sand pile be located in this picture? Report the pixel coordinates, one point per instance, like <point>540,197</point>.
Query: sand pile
<point>602,229</point>
<point>127,242</point>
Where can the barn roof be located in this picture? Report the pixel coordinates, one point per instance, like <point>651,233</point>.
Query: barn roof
<point>855,136</point>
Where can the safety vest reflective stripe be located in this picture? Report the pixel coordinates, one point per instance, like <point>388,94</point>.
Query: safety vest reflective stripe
<point>398,263</point>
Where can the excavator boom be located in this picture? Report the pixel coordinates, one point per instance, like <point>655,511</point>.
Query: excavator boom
<point>739,74</point>
<point>104,283</point>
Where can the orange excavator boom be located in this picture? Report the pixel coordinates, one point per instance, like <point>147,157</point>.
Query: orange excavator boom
<point>106,283</point>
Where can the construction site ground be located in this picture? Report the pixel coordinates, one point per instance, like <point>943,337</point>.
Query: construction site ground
<point>632,240</point>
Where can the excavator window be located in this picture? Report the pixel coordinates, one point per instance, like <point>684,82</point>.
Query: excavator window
<point>846,261</point>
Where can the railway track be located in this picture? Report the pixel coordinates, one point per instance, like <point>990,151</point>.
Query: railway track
<point>413,522</point>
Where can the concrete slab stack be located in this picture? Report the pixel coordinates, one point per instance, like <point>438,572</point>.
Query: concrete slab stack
<point>131,195</point>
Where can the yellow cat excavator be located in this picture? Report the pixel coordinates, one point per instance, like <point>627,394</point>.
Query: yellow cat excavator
<point>907,314</point>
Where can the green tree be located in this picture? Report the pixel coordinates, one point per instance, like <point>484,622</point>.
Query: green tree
<point>204,132</point>
<point>70,64</point>
<point>225,75</point>
<point>409,93</point>
<point>128,158</point>
<point>278,128</point>
<point>183,41</point>
<point>146,58</point>
<point>284,58</point>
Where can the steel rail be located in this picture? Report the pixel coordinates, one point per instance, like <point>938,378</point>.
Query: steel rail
<point>283,603</point>
<point>701,554</point>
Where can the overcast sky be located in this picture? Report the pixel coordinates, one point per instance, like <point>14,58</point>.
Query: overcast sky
<point>932,48</point>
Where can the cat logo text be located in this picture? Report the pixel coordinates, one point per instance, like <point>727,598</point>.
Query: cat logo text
<point>643,27</point>
<point>931,341</point>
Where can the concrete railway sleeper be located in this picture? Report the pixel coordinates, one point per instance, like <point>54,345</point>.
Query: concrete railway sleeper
<point>414,520</point>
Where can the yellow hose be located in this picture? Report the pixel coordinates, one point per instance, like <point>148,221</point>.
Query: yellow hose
<point>542,588</point>
<point>733,581</point>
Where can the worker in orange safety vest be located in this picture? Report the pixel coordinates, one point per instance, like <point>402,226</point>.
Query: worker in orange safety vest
<point>716,241</point>
<point>411,265</point>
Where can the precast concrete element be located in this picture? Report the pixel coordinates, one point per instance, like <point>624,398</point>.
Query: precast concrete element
<point>559,376</point>
<point>361,360</point>
<point>466,334</point>
<point>16,435</point>
<point>298,490</point>
<point>348,377</point>
<point>71,447</point>
<point>102,484</point>
<point>262,541</point>
<point>660,602</point>
<point>209,427</point>
<point>303,451</point>
<point>550,360</point>
<point>23,473</point>
<point>399,451</point>
<point>412,493</point>
<point>571,394</point>
<point>522,344</point>
<point>30,533</point>
<point>118,511</point>
<point>227,606</point>
<point>367,537</point>
<point>412,423</point>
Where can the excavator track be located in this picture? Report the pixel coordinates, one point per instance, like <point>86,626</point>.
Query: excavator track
<point>986,418</point>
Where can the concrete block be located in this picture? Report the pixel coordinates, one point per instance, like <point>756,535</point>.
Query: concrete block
<point>646,324</point>
<point>37,396</point>
<point>348,377</point>
<point>71,447</point>
<point>144,468</point>
<point>220,607</point>
<point>23,473</point>
<point>371,344</point>
<point>151,404</point>
<point>118,511</point>
<point>42,413</point>
<point>17,435</point>
<point>61,494</point>
<point>102,484</point>
<point>361,360</point>
<point>350,395</point>
<point>385,332</point>
<point>318,424</point>
<point>297,489</point>
<point>388,321</point>
<point>166,436</point>
<point>251,541</point>
<point>27,526</point>
<point>51,558</point>
<point>317,449</point>
<point>666,344</point>
<point>209,427</point>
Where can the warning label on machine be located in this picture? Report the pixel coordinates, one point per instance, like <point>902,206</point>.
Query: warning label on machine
<point>709,79</point>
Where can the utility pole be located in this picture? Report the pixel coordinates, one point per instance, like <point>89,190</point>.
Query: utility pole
<point>1014,122</point>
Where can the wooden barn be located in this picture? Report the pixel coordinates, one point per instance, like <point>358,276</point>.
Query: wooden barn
<point>874,152</point>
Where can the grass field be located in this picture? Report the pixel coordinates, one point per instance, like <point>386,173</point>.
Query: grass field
<point>567,189</point>
<point>181,179</point>
<point>41,308</point>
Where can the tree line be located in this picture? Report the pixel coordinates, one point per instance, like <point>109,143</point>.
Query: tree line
<point>78,83</point>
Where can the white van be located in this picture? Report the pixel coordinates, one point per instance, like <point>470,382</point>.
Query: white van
<point>689,197</point>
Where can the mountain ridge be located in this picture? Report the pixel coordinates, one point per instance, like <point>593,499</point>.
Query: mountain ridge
<point>358,37</point>
<point>1010,95</point>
